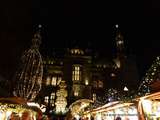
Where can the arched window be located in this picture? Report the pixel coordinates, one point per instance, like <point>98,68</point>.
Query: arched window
<point>48,80</point>
<point>46,98</point>
<point>54,80</point>
<point>94,96</point>
<point>76,90</point>
<point>76,73</point>
<point>52,99</point>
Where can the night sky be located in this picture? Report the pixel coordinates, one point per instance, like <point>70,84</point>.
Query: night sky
<point>86,22</point>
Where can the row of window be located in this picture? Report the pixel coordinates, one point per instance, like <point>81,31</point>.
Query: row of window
<point>76,76</point>
<point>52,98</point>
<point>76,73</point>
<point>100,66</point>
<point>53,80</point>
<point>51,62</point>
<point>77,51</point>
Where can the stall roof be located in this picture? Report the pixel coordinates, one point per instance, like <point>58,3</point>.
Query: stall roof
<point>155,95</point>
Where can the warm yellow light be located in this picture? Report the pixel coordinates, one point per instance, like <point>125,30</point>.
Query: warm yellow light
<point>54,81</point>
<point>83,105</point>
<point>98,116</point>
<point>76,73</point>
<point>48,81</point>
<point>147,105</point>
<point>86,82</point>
<point>8,113</point>
<point>75,93</point>
<point>33,104</point>
<point>117,61</point>
<point>94,97</point>
<point>120,42</point>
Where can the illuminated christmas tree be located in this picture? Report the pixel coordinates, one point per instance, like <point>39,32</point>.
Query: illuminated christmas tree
<point>28,78</point>
<point>61,101</point>
<point>150,77</point>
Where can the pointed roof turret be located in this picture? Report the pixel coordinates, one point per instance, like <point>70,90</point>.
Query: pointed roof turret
<point>120,55</point>
<point>36,41</point>
<point>119,39</point>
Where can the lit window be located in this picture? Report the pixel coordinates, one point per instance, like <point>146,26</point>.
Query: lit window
<point>51,62</point>
<point>86,82</point>
<point>76,73</point>
<point>104,66</point>
<point>48,80</point>
<point>59,80</point>
<point>94,97</point>
<point>76,90</point>
<point>54,80</point>
<point>46,98</point>
<point>52,99</point>
<point>75,93</point>
<point>75,51</point>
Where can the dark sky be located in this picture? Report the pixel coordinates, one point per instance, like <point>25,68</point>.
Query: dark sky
<point>83,21</point>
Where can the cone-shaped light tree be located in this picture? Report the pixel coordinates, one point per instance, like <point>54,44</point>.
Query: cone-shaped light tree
<point>29,75</point>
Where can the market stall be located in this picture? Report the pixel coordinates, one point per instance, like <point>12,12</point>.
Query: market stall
<point>142,108</point>
<point>113,110</point>
<point>149,106</point>
<point>15,108</point>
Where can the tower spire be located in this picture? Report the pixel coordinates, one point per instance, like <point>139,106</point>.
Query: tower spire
<point>119,39</point>
<point>120,55</point>
<point>36,40</point>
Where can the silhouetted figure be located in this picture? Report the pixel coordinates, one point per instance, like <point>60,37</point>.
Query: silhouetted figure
<point>118,118</point>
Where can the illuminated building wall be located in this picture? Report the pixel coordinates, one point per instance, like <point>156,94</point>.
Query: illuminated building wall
<point>77,73</point>
<point>87,75</point>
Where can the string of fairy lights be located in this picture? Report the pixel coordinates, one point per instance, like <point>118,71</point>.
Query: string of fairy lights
<point>29,75</point>
<point>16,107</point>
<point>150,77</point>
